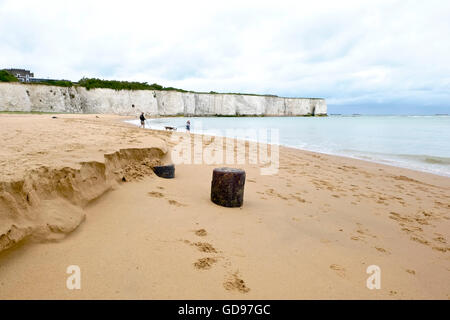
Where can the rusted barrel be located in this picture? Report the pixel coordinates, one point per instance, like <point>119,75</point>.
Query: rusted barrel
<point>167,172</point>
<point>227,187</point>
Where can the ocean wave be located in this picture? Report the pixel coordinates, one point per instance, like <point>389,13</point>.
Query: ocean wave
<point>424,158</point>
<point>427,159</point>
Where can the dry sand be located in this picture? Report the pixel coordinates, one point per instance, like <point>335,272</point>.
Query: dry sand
<point>308,232</point>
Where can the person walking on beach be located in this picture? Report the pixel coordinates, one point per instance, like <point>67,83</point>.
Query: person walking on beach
<point>142,120</point>
<point>188,126</point>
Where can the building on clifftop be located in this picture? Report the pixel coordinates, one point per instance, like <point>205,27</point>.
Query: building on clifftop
<point>21,74</point>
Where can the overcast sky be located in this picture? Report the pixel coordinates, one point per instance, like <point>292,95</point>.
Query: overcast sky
<point>362,56</point>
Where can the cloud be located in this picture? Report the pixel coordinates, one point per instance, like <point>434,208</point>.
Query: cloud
<point>350,52</point>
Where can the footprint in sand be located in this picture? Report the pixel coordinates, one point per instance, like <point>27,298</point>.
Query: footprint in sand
<point>382,250</point>
<point>235,283</point>
<point>364,231</point>
<point>201,233</point>
<point>440,239</point>
<point>299,199</point>
<point>205,263</point>
<point>232,282</point>
<point>271,192</point>
<point>339,270</point>
<point>156,194</point>
<point>176,203</point>
<point>442,249</point>
<point>205,247</point>
<point>202,246</point>
<point>420,240</point>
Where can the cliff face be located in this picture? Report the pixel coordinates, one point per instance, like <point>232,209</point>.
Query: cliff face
<point>23,97</point>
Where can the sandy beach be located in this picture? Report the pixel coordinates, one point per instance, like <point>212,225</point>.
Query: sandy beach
<point>79,190</point>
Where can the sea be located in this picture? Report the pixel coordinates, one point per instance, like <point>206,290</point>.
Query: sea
<point>416,142</point>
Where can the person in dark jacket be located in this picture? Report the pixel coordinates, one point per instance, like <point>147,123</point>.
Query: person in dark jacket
<point>142,120</point>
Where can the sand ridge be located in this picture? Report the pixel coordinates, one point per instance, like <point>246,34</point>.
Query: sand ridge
<point>31,199</point>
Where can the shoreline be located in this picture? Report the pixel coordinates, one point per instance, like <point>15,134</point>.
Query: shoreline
<point>381,162</point>
<point>308,232</point>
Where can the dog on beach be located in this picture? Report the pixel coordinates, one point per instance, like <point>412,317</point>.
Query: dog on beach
<point>170,128</point>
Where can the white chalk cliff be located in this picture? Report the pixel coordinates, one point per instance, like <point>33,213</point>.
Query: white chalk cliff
<point>33,97</point>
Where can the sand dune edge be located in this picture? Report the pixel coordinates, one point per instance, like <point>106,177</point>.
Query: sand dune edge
<point>30,208</point>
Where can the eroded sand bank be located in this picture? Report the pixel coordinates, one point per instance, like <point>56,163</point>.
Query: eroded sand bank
<point>308,232</point>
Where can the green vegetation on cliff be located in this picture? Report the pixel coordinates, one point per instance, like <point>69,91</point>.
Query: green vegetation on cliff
<point>58,83</point>
<point>92,83</point>
<point>5,76</point>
